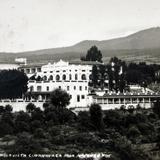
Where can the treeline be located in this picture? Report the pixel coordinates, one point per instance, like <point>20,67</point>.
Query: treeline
<point>13,84</point>
<point>117,74</point>
<point>56,129</point>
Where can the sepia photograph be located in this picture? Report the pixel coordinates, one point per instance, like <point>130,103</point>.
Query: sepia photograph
<point>79,80</point>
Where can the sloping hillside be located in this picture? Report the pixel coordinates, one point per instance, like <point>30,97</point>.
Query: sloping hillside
<point>141,44</point>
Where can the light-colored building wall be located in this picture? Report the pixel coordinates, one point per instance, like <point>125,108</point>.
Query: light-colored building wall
<point>70,77</point>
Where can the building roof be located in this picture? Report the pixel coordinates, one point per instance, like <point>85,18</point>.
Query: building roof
<point>70,62</point>
<point>128,96</point>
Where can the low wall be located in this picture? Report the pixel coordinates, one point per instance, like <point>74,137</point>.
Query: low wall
<point>114,106</point>
<point>21,105</point>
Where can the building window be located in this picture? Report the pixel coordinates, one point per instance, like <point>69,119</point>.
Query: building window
<point>76,76</point>
<point>80,88</point>
<point>51,77</point>
<point>31,88</point>
<point>67,88</point>
<point>47,88</point>
<point>85,87</point>
<point>33,70</point>
<point>64,77</point>
<point>39,88</point>
<point>57,77</point>
<point>74,87</point>
<point>70,77</point>
<point>82,96</point>
<point>59,87</point>
<point>38,69</point>
<point>83,77</point>
<point>78,98</point>
<point>27,70</point>
<point>45,78</point>
<point>51,71</point>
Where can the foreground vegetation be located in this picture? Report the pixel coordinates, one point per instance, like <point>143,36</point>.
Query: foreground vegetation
<point>131,134</point>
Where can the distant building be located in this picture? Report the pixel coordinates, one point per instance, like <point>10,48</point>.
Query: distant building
<point>5,66</point>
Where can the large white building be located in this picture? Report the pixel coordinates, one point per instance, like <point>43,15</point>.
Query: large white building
<point>70,77</point>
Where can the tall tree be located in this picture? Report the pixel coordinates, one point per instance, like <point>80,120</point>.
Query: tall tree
<point>110,77</point>
<point>94,54</point>
<point>94,76</point>
<point>103,75</point>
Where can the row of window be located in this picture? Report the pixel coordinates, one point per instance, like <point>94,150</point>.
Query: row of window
<point>66,71</point>
<point>39,88</point>
<point>64,77</point>
<point>32,70</point>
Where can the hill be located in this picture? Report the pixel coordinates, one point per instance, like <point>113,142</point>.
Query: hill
<point>142,44</point>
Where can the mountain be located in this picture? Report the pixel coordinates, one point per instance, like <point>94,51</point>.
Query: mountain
<point>149,38</point>
<point>139,43</point>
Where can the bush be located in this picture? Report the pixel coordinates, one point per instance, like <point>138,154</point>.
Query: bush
<point>83,121</point>
<point>54,131</point>
<point>145,128</point>
<point>133,132</point>
<point>96,117</point>
<point>26,144</point>
<point>5,129</point>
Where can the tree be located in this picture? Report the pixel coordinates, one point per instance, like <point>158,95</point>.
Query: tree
<point>133,132</point>
<point>115,68</point>
<point>13,84</point>
<point>39,133</point>
<point>22,122</point>
<point>103,75</point>
<point>2,109</point>
<point>110,76</point>
<point>5,128</point>
<point>96,117</point>
<point>8,108</point>
<point>94,76</point>
<point>30,107</point>
<point>93,54</point>
<point>156,107</point>
<point>133,76</point>
<point>84,120</point>
<point>37,114</point>
<point>59,99</point>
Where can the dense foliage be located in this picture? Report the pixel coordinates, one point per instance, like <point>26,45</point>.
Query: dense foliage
<point>120,75</point>
<point>13,83</point>
<point>120,132</point>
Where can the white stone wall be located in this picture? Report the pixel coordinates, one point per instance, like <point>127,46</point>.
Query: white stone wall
<point>75,89</point>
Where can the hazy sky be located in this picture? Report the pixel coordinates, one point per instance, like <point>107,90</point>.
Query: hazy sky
<point>38,24</point>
